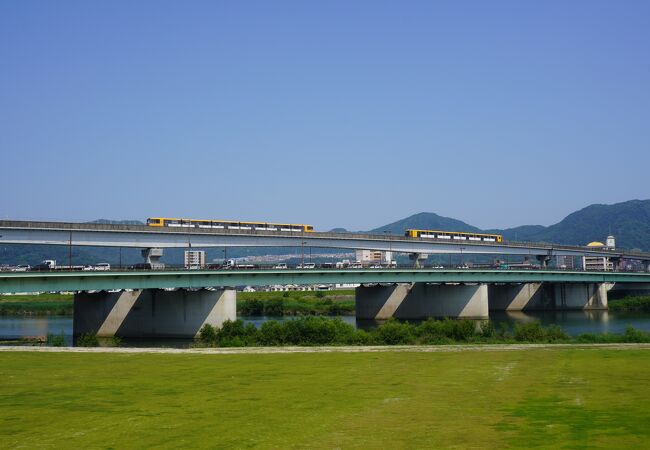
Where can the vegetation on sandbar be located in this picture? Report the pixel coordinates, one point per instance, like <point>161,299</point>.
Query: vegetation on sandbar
<point>641,303</point>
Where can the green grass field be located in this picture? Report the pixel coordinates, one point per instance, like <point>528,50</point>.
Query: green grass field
<point>553,398</point>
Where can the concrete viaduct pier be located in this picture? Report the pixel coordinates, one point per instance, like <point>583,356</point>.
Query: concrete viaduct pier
<point>152,312</point>
<point>475,300</point>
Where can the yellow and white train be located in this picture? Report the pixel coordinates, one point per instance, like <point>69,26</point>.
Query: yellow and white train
<point>227,225</point>
<point>454,235</point>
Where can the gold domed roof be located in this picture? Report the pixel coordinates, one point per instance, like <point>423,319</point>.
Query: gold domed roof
<point>595,244</point>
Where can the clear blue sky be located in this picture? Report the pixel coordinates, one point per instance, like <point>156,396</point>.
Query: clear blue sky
<point>336,113</point>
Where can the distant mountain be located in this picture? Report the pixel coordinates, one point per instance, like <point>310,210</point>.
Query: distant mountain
<point>629,222</point>
<point>425,221</point>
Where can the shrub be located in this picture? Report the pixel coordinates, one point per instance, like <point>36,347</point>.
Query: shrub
<point>274,308</point>
<point>236,334</point>
<point>434,331</point>
<point>87,340</point>
<point>320,294</point>
<point>55,340</point>
<point>554,333</point>
<point>208,334</point>
<point>503,330</point>
<point>272,333</point>
<point>633,335</point>
<point>309,331</point>
<point>534,332</point>
<point>361,337</point>
<point>529,332</point>
<point>394,333</point>
<point>335,309</point>
<point>487,329</point>
<point>593,338</point>
<point>251,307</point>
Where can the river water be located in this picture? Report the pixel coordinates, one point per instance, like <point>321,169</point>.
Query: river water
<point>573,322</point>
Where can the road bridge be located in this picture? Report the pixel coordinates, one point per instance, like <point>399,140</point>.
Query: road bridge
<point>178,303</point>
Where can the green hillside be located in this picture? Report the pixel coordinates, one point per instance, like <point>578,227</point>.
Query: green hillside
<point>628,221</point>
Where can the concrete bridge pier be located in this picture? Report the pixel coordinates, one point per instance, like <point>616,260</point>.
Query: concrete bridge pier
<point>152,256</point>
<point>544,260</point>
<point>422,300</point>
<point>580,295</point>
<point>517,297</point>
<point>418,259</point>
<point>548,296</point>
<point>152,312</point>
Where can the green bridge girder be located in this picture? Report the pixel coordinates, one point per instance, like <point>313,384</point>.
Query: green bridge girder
<point>12,282</point>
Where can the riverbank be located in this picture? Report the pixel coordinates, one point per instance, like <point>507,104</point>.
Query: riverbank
<point>639,303</point>
<point>37,305</point>
<point>386,398</point>
<point>296,303</point>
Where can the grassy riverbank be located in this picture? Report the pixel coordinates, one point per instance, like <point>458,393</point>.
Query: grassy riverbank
<point>640,303</point>
<point>37,305</point>
<point>296,303</point>
<point>572,398</point>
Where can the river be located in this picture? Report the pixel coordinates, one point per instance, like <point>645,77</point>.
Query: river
<point>573,322</point>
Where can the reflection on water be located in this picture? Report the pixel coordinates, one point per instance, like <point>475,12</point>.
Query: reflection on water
<point>573,322</point>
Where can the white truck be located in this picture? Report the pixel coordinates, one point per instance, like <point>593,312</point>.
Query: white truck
<point>50,264</point>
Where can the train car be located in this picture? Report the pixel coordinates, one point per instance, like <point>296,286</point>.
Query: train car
<point>454,235</point>
<point>227,225</point>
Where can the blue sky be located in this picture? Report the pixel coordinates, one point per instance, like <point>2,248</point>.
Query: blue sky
<point>351,114</point>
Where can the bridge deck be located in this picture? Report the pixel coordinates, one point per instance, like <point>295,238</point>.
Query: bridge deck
<point>196,279</point>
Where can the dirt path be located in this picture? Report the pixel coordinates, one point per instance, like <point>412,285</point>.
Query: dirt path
<point>341,349</point>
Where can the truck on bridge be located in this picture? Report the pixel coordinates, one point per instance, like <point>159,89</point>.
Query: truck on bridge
<point>50,265</point>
